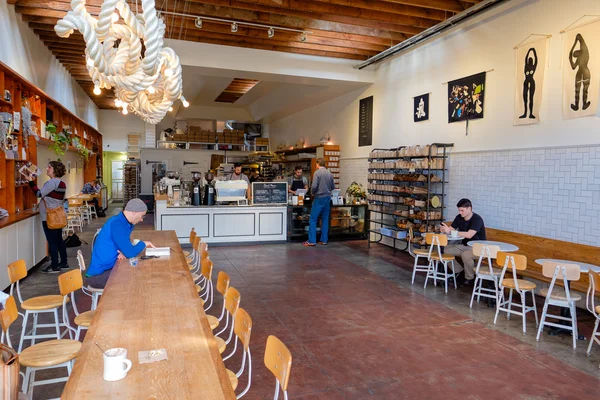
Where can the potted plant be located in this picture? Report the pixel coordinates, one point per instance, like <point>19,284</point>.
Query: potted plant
<point>60,142</point>
<point>356,191</point>
<point>83,152</point>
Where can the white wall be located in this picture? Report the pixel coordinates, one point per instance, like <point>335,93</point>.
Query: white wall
<point>22,51</point>
<point>483,44</point>
<point>115,126</point>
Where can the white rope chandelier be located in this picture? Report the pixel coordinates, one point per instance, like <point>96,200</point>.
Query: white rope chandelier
<point>148,84</point>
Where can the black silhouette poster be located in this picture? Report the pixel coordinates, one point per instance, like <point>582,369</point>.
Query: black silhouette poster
<point>466,98</point>
<point>531,68</point>
<point>581,73</point>
<point>421,108</point>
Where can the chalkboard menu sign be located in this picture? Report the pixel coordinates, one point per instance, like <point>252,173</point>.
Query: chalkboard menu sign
<point>269,192</point>
<point>365,122</point>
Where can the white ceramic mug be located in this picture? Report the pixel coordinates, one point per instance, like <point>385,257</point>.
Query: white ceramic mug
<point>116,364</point>
<point>454,233</point>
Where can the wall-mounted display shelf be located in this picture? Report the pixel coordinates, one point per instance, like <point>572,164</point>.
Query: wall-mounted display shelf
<point>306,157</point>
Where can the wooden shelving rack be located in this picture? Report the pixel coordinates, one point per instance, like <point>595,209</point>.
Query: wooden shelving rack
<point>14,196</point>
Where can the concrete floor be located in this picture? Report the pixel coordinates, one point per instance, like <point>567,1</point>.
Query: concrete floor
<point>357,329</point>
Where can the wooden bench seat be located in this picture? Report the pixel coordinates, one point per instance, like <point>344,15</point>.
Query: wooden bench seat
<point>536,247</point>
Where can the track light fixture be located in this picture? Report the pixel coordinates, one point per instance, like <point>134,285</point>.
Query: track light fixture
<point>234,27</point>
<point>198,23</point>
<point>271,32</point>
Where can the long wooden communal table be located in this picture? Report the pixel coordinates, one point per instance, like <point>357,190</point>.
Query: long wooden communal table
<point>149,307</point>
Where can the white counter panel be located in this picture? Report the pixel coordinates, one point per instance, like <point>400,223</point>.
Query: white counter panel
<point>224,224</point>
<point>25,241</point>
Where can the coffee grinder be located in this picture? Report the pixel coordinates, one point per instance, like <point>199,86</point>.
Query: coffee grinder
<point>195,195</point>
<point>209,189</point>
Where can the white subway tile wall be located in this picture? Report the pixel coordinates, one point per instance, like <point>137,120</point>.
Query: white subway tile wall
<point>552,193</point>
<point>353,170</point>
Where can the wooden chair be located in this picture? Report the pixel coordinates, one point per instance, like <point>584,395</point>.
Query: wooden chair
<point>223,281</point>
<point>46,355</point>
<point>232,304</point>
<point>278,360</point>
<point>488,252</point>
<point>243,329</point>
<point>560,297</point>
<point>94,293</point>
<point>34,306</point>
<point>68,284</point>
<point>590,304</point>
<point>416,253</point>
<point>205,286</point>
<point>516,262</point>
<point>435,256</point>
<point>188,254</point>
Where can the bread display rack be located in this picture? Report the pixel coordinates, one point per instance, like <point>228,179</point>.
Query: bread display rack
<point>406,189</point>
<point>131,187</point>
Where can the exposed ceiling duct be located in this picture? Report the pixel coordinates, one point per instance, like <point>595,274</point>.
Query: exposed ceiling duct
<point>433,31</point>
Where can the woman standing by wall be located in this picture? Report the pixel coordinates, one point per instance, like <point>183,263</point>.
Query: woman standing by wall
<point>53,195</point>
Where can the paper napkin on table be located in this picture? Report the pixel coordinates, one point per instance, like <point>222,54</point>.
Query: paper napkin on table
<point>150,356</point>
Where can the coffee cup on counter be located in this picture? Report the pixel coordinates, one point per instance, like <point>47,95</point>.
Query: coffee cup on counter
<point>294,200</point>
<point>454,234</point>
<point>116,364</point>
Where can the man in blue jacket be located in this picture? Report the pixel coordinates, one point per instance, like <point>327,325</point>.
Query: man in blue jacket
<point>113,240</point>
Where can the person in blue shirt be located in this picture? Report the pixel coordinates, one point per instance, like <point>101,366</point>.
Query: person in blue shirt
<point>113,242</point>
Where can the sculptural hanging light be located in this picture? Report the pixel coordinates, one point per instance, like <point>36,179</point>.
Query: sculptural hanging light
<point>147,84</point>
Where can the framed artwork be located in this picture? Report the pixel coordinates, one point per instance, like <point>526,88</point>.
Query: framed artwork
<point>365,122</point>
<point>466,98</point>
<point>581,70</point>
<point>421,108</point>
<point>531,67</point>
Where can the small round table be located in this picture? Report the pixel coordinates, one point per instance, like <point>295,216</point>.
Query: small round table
<point>507,247</point>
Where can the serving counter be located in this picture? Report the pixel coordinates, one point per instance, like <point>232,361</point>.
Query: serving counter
<point>223,223</point>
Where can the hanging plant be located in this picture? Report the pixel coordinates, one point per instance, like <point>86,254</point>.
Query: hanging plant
<point>60,142</point>
<point>83,152</point>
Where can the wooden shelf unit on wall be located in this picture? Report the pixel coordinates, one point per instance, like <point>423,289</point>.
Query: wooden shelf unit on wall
<point>12,195</point>
<point>329,152</point>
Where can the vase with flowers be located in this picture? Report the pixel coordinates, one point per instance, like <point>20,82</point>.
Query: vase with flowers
<point>356,193</point>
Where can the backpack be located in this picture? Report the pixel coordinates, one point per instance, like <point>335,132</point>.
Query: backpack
<point>73,241</point>
<point>100,214</point>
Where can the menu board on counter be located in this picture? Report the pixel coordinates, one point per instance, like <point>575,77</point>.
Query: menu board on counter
<point>269,192</point>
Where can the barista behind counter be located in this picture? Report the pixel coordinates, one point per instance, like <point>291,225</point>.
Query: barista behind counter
<point>237,175</point>
<point>297,181</point>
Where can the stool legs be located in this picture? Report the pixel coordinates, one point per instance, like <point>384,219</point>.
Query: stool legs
<point>593,338</point>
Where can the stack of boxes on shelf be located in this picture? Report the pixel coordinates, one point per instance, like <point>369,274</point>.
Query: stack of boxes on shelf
<point>332,162</point>
<point>262,144</point>
<point>406,190</point>
<point>198,135</point>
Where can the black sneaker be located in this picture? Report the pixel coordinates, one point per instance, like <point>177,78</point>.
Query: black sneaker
<point>51,270</point>
<point>64,267</point>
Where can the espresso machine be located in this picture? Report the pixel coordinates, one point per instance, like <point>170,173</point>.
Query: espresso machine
<point>209,189</point>
<point>171,181</point>
<point>195,193</point>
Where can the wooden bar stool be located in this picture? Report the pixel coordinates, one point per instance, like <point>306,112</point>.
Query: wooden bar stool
<point>202,254</point>
<point>590,304</point>
<point>188,254</point>
<point>516,262</point>
<point>278,360</point>
<point>560,297</point>
<point>488,252</point>
<point>68,283</point>
<point>34,306</point>
<point>94,293</point>
<point>232,304</point>
<point>223,281</point>
<point>47,355</point>
<point>243,329</point>
<point>435,256</point>
<point>416,253</point>
<point>205,286</point>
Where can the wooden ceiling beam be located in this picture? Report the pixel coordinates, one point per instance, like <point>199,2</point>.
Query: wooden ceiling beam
<point>442,5</point>
<point>387,7</point>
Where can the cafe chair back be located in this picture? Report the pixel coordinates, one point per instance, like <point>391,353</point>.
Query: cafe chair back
<point>485,273</point>
<point>206,285</point>
<point>68,284</point>
<point>417,254</point>
<point>512,263</point>
<point>278,360</point>
<point>435,256</point>
<point>560,297</point>
<point>590,304</point>
<point>94,293</point>
<point>50,354</point>
<point>189,254</point>
<point>243,330</point>
<point>223,281</point>
<point>232,303</point>
<point>35,306</point>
